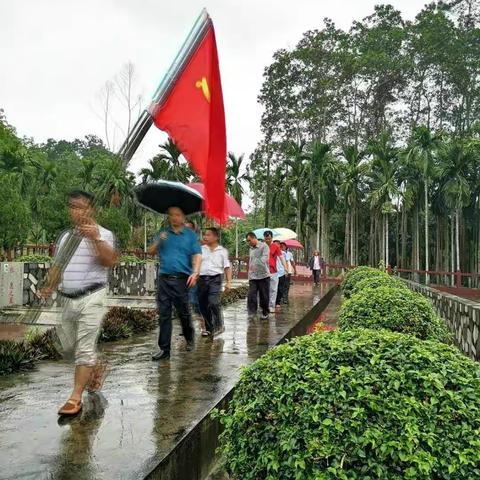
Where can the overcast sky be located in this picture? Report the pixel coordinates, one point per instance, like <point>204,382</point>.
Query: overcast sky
<point>55,55</point>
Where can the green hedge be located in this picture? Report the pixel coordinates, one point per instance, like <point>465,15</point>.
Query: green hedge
<point>358,274</point>
<point>131,259</point>
<point>360,404</point>
<point>123,322</point>
<point>15,356</point>
<point>377,281</point>
<point>396,309</point>
<point>46,345</point>
<point>36,258</point>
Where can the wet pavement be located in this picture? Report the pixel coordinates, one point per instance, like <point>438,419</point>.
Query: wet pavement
<point>146,407</point>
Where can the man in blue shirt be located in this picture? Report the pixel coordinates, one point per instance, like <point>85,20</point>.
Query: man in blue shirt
<point>180,258</point>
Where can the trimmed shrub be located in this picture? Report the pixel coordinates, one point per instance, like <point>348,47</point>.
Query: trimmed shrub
<point>131,259</point>
<point>15,356</point>
<point>396,309</point>
<point>376,282</point>
<point>123,322</point>
<point>46,345</point>
<point>114,328</point>
<point>233,295</point>
<point>360,404</point>
<point>354,276</point>
<point>36,258</point>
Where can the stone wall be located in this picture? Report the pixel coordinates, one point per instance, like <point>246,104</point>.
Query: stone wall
<point>462,317</point>
<point>125,279</point>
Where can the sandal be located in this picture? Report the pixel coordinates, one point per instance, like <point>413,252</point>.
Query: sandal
<point>71,407</point>
<point>97,378</point>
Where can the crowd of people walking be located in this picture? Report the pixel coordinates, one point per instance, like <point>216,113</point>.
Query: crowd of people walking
<point>190,276</point>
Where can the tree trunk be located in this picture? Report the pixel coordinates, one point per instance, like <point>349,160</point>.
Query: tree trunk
<point>404,238</point>
<point>457,237</point>
<point>356,235</point>
<point>352,235</point>
<point>397,237</point>
<point>267,195</point>
<point>371,245</point>
<point>319,219</point>
<point>346,241</point>
<point>427,266</point>
<point>452,248</point>
<point>387,256</point>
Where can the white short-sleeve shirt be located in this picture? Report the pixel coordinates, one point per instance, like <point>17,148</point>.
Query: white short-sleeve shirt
<point>214,261</point>
<point>83,270</point>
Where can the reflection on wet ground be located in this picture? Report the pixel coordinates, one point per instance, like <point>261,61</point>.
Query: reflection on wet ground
<point>145,408</point>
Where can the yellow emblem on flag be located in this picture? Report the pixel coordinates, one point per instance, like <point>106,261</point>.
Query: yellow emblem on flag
<point>204,86</point>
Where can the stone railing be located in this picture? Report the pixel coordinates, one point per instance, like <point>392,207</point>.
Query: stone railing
<point>462,317</point>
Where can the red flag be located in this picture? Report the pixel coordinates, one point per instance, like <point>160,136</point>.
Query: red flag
<point>194,117</point>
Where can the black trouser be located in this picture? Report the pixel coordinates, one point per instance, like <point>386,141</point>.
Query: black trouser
<point>173,291</point>
<point>287,288</point>
<point>209,288</point>
<point>258,288</point>
<point>316,276</point>
<point>281,289</point>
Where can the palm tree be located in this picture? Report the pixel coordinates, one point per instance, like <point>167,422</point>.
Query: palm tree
<point>114,183</point>
<point>421,149</point>
<point>323,170</point>
<point>409,185</point>
<point>167,165</point>
<point>455,171</point>
<point>234,177</point>
<point>384,184</point>
<point>296,180</point>
<point>157,170</point>
<point>87,171</point>
<point>354,172</point>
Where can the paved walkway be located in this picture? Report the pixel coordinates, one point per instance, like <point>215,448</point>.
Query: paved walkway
<point>146,407</point>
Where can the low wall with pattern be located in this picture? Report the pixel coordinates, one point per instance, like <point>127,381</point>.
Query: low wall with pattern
<point>125,279</point>
<point>462,317</point>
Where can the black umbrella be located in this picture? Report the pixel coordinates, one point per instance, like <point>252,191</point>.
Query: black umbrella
<point>163,194</point>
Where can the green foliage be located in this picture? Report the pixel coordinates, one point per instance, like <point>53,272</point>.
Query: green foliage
<point>131,259</point>
<point>15,219</point>
<point>356,275</point>
<point>115,328</point>
<point>15,356</point>
<point>393,308</point>
<point>123,322</point>
<point>115,220</point>
<point>231,296</point>
<point>361,404</point>
<point>377,281</point>
<point>34,258</point>
<point>46,345</point>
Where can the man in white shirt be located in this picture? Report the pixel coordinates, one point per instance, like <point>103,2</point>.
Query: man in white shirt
<point>83,284</point>
<point>215,263</point>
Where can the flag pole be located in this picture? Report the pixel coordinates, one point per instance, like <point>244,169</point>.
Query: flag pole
<point>145,121</point>
<point>140,129</point>
<point>236,237</point>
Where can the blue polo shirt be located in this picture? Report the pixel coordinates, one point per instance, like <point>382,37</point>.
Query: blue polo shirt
<point>175,250</point>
